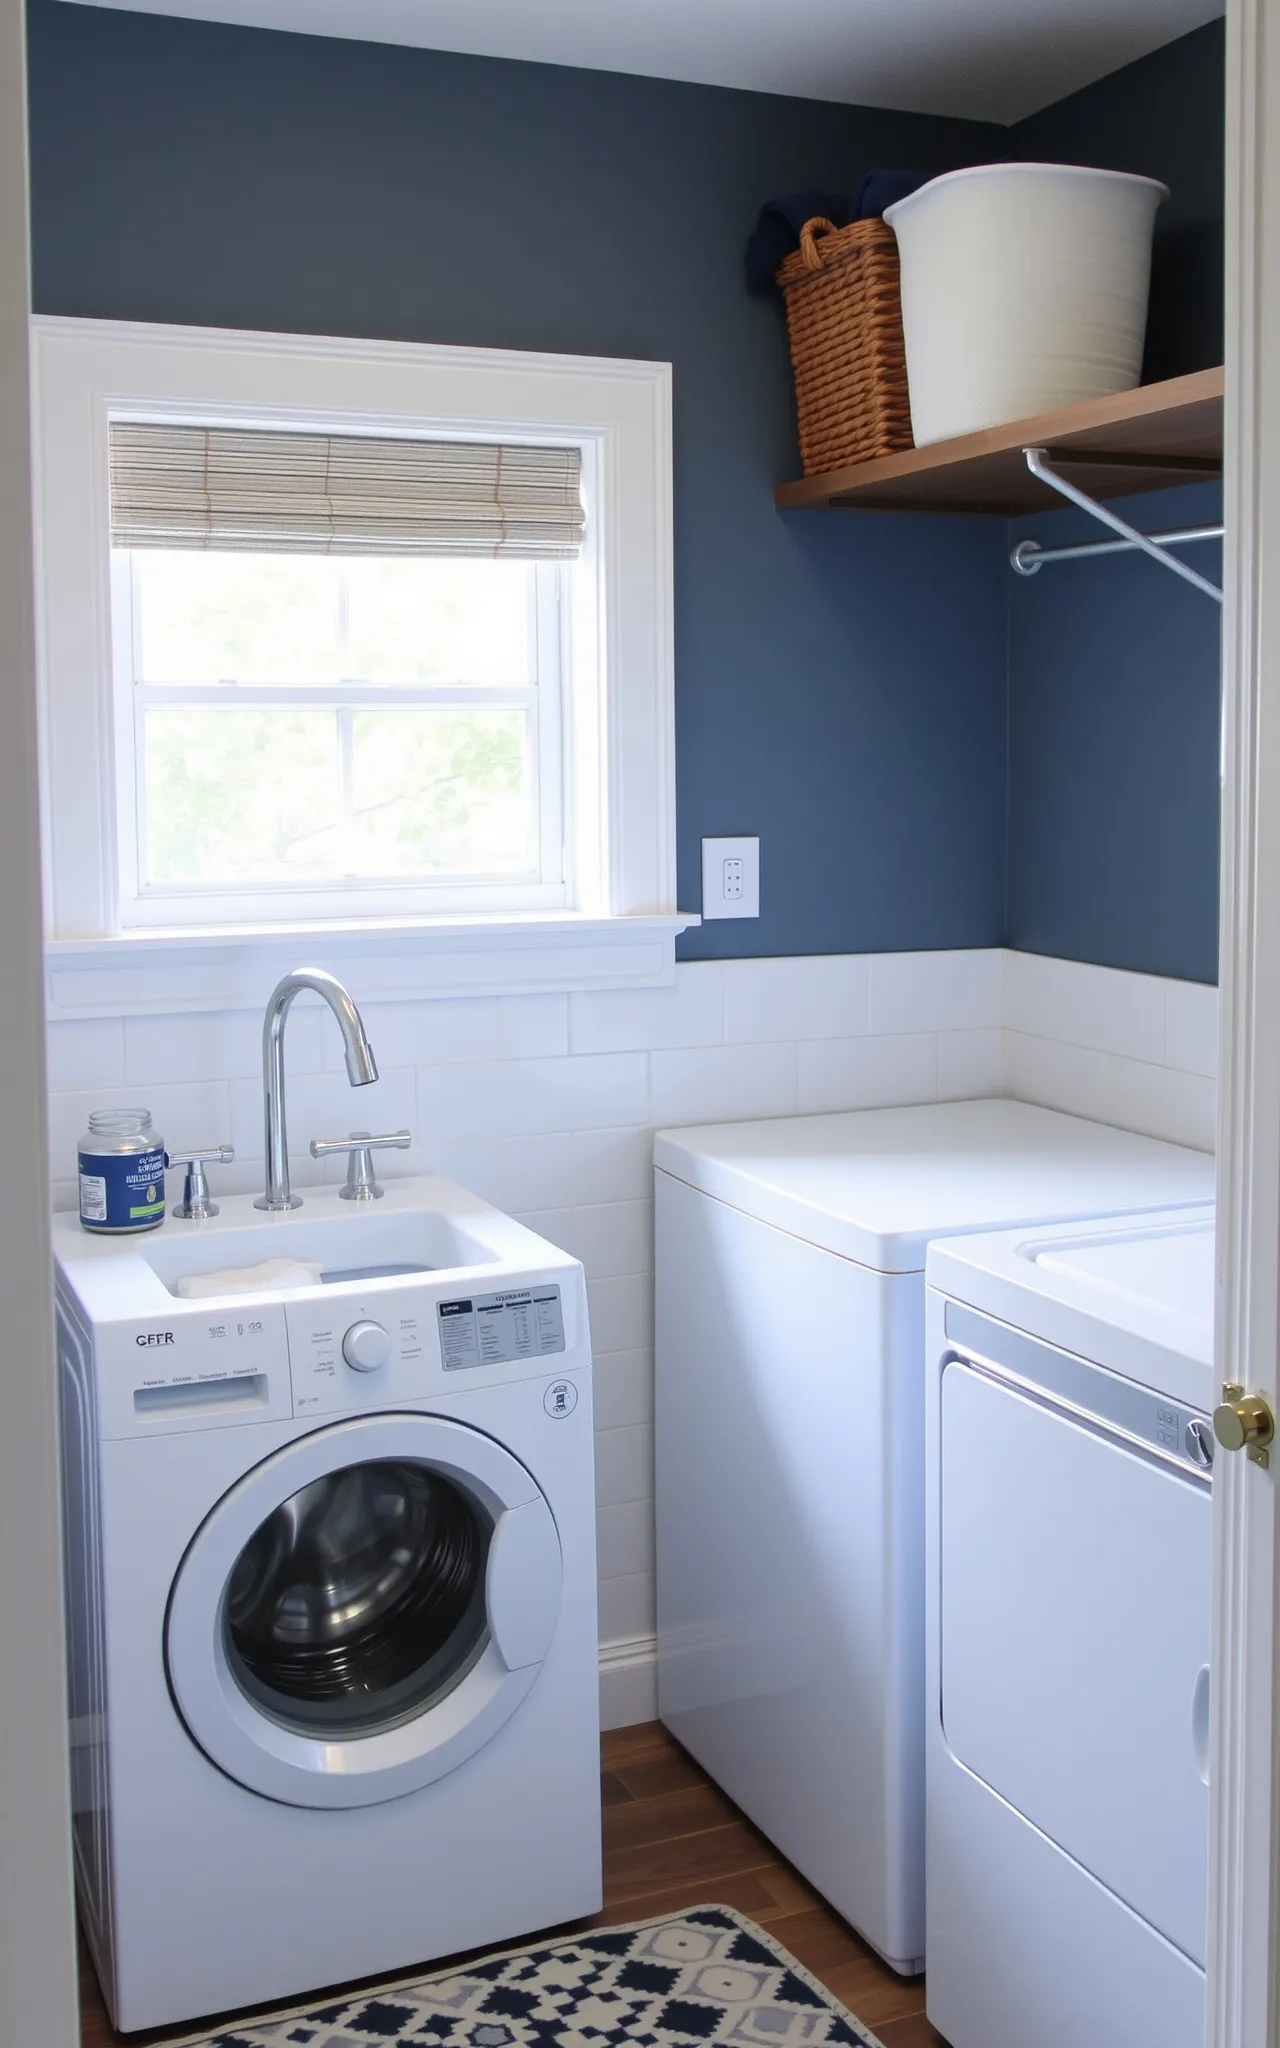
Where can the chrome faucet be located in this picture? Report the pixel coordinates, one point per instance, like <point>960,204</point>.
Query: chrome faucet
<point>361,1069</point>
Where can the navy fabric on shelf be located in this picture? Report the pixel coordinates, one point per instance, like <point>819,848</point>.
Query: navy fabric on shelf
<point>882,189</point>
<point>777,231</point>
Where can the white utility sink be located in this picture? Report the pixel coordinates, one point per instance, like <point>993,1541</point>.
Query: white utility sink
<point>422,1225</point>
<point>359,1242</point>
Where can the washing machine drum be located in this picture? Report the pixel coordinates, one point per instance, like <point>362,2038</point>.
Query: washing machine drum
<point>363,1610</point>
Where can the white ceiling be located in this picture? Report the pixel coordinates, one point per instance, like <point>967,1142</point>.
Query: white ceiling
<point>993,60</point>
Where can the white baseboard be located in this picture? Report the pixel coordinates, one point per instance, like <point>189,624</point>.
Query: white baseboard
<point>629,1681</point>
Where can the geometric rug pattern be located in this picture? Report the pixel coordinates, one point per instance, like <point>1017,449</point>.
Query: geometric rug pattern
<point>709,1978</point>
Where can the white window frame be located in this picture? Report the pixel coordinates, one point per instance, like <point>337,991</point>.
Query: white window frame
<point>620,930</point>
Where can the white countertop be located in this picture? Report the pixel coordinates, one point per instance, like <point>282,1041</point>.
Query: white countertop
<point>876,1185</point>
<point>1135,1294</point>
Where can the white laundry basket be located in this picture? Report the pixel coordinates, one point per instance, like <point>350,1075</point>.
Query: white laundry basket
<point>1024,287</point>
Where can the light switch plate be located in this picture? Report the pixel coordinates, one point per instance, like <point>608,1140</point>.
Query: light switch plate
<point>730,878</point>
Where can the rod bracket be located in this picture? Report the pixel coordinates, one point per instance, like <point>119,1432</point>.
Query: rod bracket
<point>1037,461</point>
<point>1025,557</point>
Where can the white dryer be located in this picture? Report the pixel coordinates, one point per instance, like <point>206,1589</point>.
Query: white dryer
<point>1069,1448</point>
<point>332,1597</point>
<point>790,1463</point>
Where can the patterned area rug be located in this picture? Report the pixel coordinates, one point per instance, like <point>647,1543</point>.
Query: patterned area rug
<point>689,1980</point>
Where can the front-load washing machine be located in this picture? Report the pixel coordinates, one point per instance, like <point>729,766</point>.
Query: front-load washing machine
<point>332,1597</point>
<point>1068,1456</point>
<point>790,1462</point>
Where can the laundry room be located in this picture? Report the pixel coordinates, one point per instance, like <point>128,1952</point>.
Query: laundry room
<point>631,1014</point>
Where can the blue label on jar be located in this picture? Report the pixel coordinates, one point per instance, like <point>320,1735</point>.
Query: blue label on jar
<point>123,1191</point>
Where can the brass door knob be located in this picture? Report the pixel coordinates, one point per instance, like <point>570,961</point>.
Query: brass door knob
<point>1245,1422</point>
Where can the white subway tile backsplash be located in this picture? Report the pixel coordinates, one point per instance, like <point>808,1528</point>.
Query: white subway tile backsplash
<point>621,1312</point>
<point>624,1465</point>
<point>191,1113</point>
<point>626,1607</point>
<point>546,1105</point>
<point>624,1539</point>
<point>579,1093</point>
<point>819,996</point>
<point>612,1238</point>
<point>690,1013</point>
<point>326,1106</point>
<point>533,1027</point>
<point>247,1175</point>
<point>1163,1103</point>
<point>623,1388</point>
<point>970,1065</point>
<point>226,1043</point>
<point>960,991</point>
<point>1068,1024</point>
<point>515,1173</point>
<point>1099,1007</point>
<point>613,1165</point>
<point>867,1073</point>
<point>1191,1027</point>
<point>720,1084</point>
<point>423,1034</point>
<point>556,1225</point>
<point>1073,1078</point>
<point>464,1031</point>
<point>87,1055</point>
<point>1028,992</point>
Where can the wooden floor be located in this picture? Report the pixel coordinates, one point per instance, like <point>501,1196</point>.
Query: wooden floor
<point>673,1840</point>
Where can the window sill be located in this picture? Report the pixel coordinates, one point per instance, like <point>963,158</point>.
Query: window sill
<point>163,973</point>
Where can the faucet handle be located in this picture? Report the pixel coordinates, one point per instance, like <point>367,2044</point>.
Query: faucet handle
<point>360,1185</point>
<point>195,1203</point>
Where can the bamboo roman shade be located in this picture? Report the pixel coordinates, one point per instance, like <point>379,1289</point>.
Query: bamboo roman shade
<point>340,494</point>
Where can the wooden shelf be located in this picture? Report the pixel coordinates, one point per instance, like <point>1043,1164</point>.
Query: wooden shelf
<point>1139,440</point>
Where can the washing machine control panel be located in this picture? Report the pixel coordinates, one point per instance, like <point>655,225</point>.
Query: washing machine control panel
<point>351,1349</point>
<point>344,1352</point>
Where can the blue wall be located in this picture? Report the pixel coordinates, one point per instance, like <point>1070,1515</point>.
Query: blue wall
<point>1163,117</point>
<point>930,756</point>
<point>1113,748</point>
<point>1114,665</point>
<point>835,678</point>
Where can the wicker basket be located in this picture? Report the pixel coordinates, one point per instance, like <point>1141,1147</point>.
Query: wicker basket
<point>844,317</point>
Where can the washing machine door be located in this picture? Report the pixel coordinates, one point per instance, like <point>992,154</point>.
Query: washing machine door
<point>363,1610</point>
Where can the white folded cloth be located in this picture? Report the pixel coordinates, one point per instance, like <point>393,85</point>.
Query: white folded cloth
<point>271,1274</point>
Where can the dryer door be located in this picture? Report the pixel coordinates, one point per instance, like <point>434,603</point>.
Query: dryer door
<point>1075,1639</point>
<point>364,1610</point>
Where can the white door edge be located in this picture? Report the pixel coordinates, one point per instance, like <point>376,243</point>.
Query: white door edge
<point>1243,1949</point>
<point>37,1924</point>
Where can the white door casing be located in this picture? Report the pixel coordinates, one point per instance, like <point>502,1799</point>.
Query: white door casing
<point>36,1952</point>
<point>1244,1894</point>
<point>37,1928</point>
<point>522,1598</point>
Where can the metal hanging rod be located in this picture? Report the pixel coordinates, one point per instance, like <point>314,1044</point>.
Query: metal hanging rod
<point>1028,557</point>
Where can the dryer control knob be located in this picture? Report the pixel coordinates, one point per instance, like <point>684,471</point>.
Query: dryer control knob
<point>366,1347</point>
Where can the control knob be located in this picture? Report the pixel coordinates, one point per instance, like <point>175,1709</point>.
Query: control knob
<point>366,1346</point>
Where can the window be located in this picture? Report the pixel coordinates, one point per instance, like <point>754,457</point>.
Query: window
<point>339,730</point>
<point>427,686</point>
<point>340,676</point>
